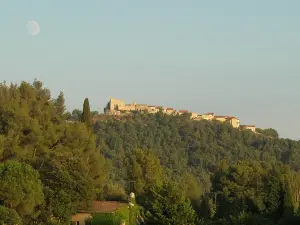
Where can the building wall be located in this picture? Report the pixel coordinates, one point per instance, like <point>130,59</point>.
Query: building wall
<point>252,128</point>
<point>141,107</point>
<point>170,112</point>
<point>194,115</point>
<point>81,217</point>
<point>116,103</point>
<point>127,108</point>
<point>207,116</point>
<point>234,122</point>
<point>221,119</point>
<point>164,109</point>
<point>152,109</point>
<point>181,112</point>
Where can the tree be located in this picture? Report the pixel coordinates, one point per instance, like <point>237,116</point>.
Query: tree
<point>76,115</point>
<point>268,132</point>
<point>9,216</point>
<point>167,204</point>
<point>144,171</point>
<point>60,104</point>
<point>48,167</point>
<point>94,113</point>
<point>21,188</point>
<point>86,114</point>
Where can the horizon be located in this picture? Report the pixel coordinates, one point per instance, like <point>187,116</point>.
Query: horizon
<point>236,59</point>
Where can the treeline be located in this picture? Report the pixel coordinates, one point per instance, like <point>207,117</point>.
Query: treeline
<point>53,163</point>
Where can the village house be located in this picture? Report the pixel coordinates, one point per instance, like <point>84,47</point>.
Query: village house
<point>181,112</point>
<point>194,115</point>
<point>141,107</point>
<point>152,109</point>
<point>221,118</point>
<point>118,107</point>
<point>249,127</point>
<point>207,116</point>
<point>170,111</point>
<point>233,121</point>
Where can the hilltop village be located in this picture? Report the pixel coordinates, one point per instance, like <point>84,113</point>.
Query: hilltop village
<point>118,107</point>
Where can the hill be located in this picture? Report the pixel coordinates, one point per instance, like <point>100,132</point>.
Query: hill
<point>196,146</point>
<point>182,171</point>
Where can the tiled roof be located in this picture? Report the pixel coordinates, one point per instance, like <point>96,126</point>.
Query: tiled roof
<point>183,111</point>
<point>222,117</point>
<point>232,117</point>
<point>104,206</point>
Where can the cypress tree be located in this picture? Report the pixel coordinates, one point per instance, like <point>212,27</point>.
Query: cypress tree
<point>86,114</point>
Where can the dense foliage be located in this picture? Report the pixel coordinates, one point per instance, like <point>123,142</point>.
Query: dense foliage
<point>48,167</point>
<point>261,183</point>
<point>182,171</point>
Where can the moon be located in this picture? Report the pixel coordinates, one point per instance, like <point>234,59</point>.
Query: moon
<point>33,27</point>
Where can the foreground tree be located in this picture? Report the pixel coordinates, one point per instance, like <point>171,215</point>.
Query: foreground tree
<point>63,156</point>
<point>21,188</point>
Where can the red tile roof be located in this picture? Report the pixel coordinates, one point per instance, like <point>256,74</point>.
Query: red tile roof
<point>104,206</point>
<point>183,111</point>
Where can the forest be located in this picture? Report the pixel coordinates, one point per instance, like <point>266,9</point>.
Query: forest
<point>53,162</point>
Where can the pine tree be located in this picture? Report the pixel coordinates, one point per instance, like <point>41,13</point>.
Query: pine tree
<point>60,104</point>
<point>86,114</point>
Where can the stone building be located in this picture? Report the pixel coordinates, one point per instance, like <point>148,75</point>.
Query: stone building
<point>170,111</point>
<point>233,121</point>
<point>207,116</point>
<point>249,127</point>
<point>181,112</point>
<point>141,107</point>
<point>194,115</point>
<point>221,118</point>
<point>118,107</point>
<point>152,109</point>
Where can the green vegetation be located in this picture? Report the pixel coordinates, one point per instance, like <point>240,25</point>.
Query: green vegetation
<point>111,218</point>
<point>48,167</point>
<point>86,114</point>
<point>182,171</point>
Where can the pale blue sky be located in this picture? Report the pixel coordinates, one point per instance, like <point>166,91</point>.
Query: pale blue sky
<point>235,57</point>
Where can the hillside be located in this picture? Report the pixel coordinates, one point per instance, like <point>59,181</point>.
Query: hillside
<point>185,145</point>
<point>181,171</point>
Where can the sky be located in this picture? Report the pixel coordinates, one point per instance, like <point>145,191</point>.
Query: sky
<point>237,58</point>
